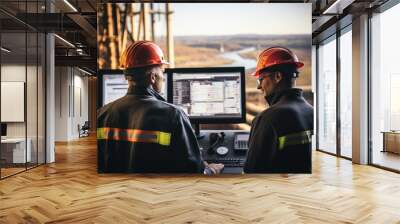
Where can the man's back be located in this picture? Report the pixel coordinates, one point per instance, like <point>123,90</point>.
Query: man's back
<point>142,133</point>
<point>280,139</point>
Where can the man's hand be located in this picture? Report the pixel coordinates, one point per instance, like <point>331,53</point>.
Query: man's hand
<point>213,168</point>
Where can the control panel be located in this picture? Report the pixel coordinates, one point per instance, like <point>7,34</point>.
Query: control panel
<point>226,146</point>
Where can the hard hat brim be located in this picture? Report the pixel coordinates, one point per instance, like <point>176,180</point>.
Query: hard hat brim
<point>298,65</point>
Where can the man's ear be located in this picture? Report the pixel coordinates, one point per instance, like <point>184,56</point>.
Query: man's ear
<point>153,78</point>
<point>278,77</point>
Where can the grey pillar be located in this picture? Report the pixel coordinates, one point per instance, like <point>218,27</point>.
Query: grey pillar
<point>50,100</point>
<point>50,92</point>
<point>360,90</point>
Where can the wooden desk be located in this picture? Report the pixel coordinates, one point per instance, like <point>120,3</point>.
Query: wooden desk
<point>13,150</point>
<point>391,141</point>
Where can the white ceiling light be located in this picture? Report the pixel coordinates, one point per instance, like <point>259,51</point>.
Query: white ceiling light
<point>70,5</point>
<point>338,6</point>
<point>5,49</point>
<point>84,71</point>
<point>65,41</point>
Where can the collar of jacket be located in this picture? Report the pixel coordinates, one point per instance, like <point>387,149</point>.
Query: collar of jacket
<point>276,96</point>
<point>144,91</point>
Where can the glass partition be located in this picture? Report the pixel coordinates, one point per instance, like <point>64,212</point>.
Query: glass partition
<point>13,105</point>
<point>22,89</point>
<point>31,98</point>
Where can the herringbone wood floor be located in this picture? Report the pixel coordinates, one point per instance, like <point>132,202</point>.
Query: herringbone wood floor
<point>70,191</point>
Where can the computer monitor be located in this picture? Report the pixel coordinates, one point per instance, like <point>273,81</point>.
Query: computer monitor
<point>112,85</point>
<point>209,95</point>
<point>3,130</point>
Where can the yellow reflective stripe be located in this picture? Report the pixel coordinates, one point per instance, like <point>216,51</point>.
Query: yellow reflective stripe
<point>299,138</point>
<point>134,135</point>
<point>281,142</point>
<point>164,138</point>
<point>100,133</point>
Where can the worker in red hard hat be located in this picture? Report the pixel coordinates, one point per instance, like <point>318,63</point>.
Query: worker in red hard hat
<point>141,132</point>
<point>280,136</point>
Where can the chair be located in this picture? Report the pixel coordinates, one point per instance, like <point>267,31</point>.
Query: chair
<point>84,129</point>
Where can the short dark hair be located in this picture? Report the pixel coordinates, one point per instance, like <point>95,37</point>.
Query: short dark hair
<point>140,76</point>
<point>289,73</point>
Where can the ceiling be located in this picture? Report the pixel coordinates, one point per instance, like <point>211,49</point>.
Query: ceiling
<point>76,22</point>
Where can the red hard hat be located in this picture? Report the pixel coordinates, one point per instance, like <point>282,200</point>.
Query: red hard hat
<point>276,56</point>
<point>141,54</point>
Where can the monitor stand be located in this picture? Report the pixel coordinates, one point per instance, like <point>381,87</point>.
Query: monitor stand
<point>197,131</point>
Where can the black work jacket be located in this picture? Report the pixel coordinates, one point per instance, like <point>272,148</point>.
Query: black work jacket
<point>280,136</point>
<point>140,132</point>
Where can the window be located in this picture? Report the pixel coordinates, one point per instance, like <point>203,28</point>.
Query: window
<point>385,89</point>
<point>327,96</point>
<point>346,93</point>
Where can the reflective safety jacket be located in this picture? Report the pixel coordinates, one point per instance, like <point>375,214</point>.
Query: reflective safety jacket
<point>280,137</point>
<point>140,132</point>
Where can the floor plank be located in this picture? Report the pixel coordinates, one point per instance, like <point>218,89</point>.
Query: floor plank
<point>71,191</point>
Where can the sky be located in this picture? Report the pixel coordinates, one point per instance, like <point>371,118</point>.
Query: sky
<point>241,18</point>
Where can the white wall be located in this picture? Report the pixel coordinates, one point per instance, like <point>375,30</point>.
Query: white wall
<point>15,73</point>
<point>80,110</point>
<point>33,127</point>
<point>61,103</point>
<point>71,102</point>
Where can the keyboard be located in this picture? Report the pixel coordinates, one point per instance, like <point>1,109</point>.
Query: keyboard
<point>241,141</point>
<point>234,159</point>
<point>228,162</point>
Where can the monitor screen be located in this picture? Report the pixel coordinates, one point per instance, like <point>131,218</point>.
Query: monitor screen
<point>113,85</point>
<point>209,95</point>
